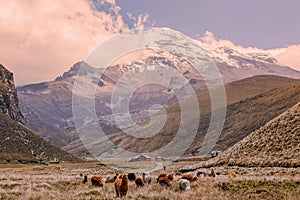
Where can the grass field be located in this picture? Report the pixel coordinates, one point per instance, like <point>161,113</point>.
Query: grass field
<point>63,181</point>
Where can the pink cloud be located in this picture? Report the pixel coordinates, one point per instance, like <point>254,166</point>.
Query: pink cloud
<point>41,39</point>
<point>289,56</point>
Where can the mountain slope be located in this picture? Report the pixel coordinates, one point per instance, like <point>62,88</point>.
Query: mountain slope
<point>242,89</point>
<point>243,117</point>
<point>19,143</point>
<point>235,91</point>
<point>247,116</point>
<point>48,106</point>
<point>275,144</point>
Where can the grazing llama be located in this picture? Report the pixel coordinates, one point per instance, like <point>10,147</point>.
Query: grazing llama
<point>147,177</point>
<point>169,176</point>
<point>121,185</point>
<point>139,182</point>
<point>131,177</point>
<point>97,181</point>
<point>189,177</point>
<point>165,179</point>
<point>184,184</point>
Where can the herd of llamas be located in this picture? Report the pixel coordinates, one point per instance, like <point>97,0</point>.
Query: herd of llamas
<point>121,181</point>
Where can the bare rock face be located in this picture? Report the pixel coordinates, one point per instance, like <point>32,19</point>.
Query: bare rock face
<point>9,103</point>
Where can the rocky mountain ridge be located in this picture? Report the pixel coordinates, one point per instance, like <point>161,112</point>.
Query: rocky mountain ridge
<point>9,103</point>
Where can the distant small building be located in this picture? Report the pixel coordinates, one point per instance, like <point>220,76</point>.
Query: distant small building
<point>215,153</point>
<point>159,158</point>
<point>54,161</point>
<point>140,158</point>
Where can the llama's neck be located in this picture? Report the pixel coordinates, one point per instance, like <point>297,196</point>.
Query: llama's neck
<point>124,181</point>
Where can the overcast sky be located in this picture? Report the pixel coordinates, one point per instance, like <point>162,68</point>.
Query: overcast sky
<point>262,23</point>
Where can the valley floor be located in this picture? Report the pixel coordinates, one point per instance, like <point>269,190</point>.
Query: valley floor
<point>63,181</point>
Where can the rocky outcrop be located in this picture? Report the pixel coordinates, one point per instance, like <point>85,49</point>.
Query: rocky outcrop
<point>17,143</point>
<point>9,104</point>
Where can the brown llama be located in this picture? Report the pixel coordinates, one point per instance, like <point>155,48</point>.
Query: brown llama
<point>139,182</point>
<point>97,181</point>
<point>121,185</point>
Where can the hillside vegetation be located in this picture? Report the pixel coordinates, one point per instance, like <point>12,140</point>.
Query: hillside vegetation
<point>18,143</point>
<point>275,144</point>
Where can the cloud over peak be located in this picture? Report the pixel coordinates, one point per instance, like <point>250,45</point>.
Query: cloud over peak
<point>289,55</point>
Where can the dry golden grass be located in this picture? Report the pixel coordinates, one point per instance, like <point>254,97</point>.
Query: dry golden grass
<point>63,181</point>
<point>275,144</point>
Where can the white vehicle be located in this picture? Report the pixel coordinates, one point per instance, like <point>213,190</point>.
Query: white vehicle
<point>215,153</point>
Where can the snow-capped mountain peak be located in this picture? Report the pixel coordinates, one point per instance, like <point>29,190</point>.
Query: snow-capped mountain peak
<point>235,58</point>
